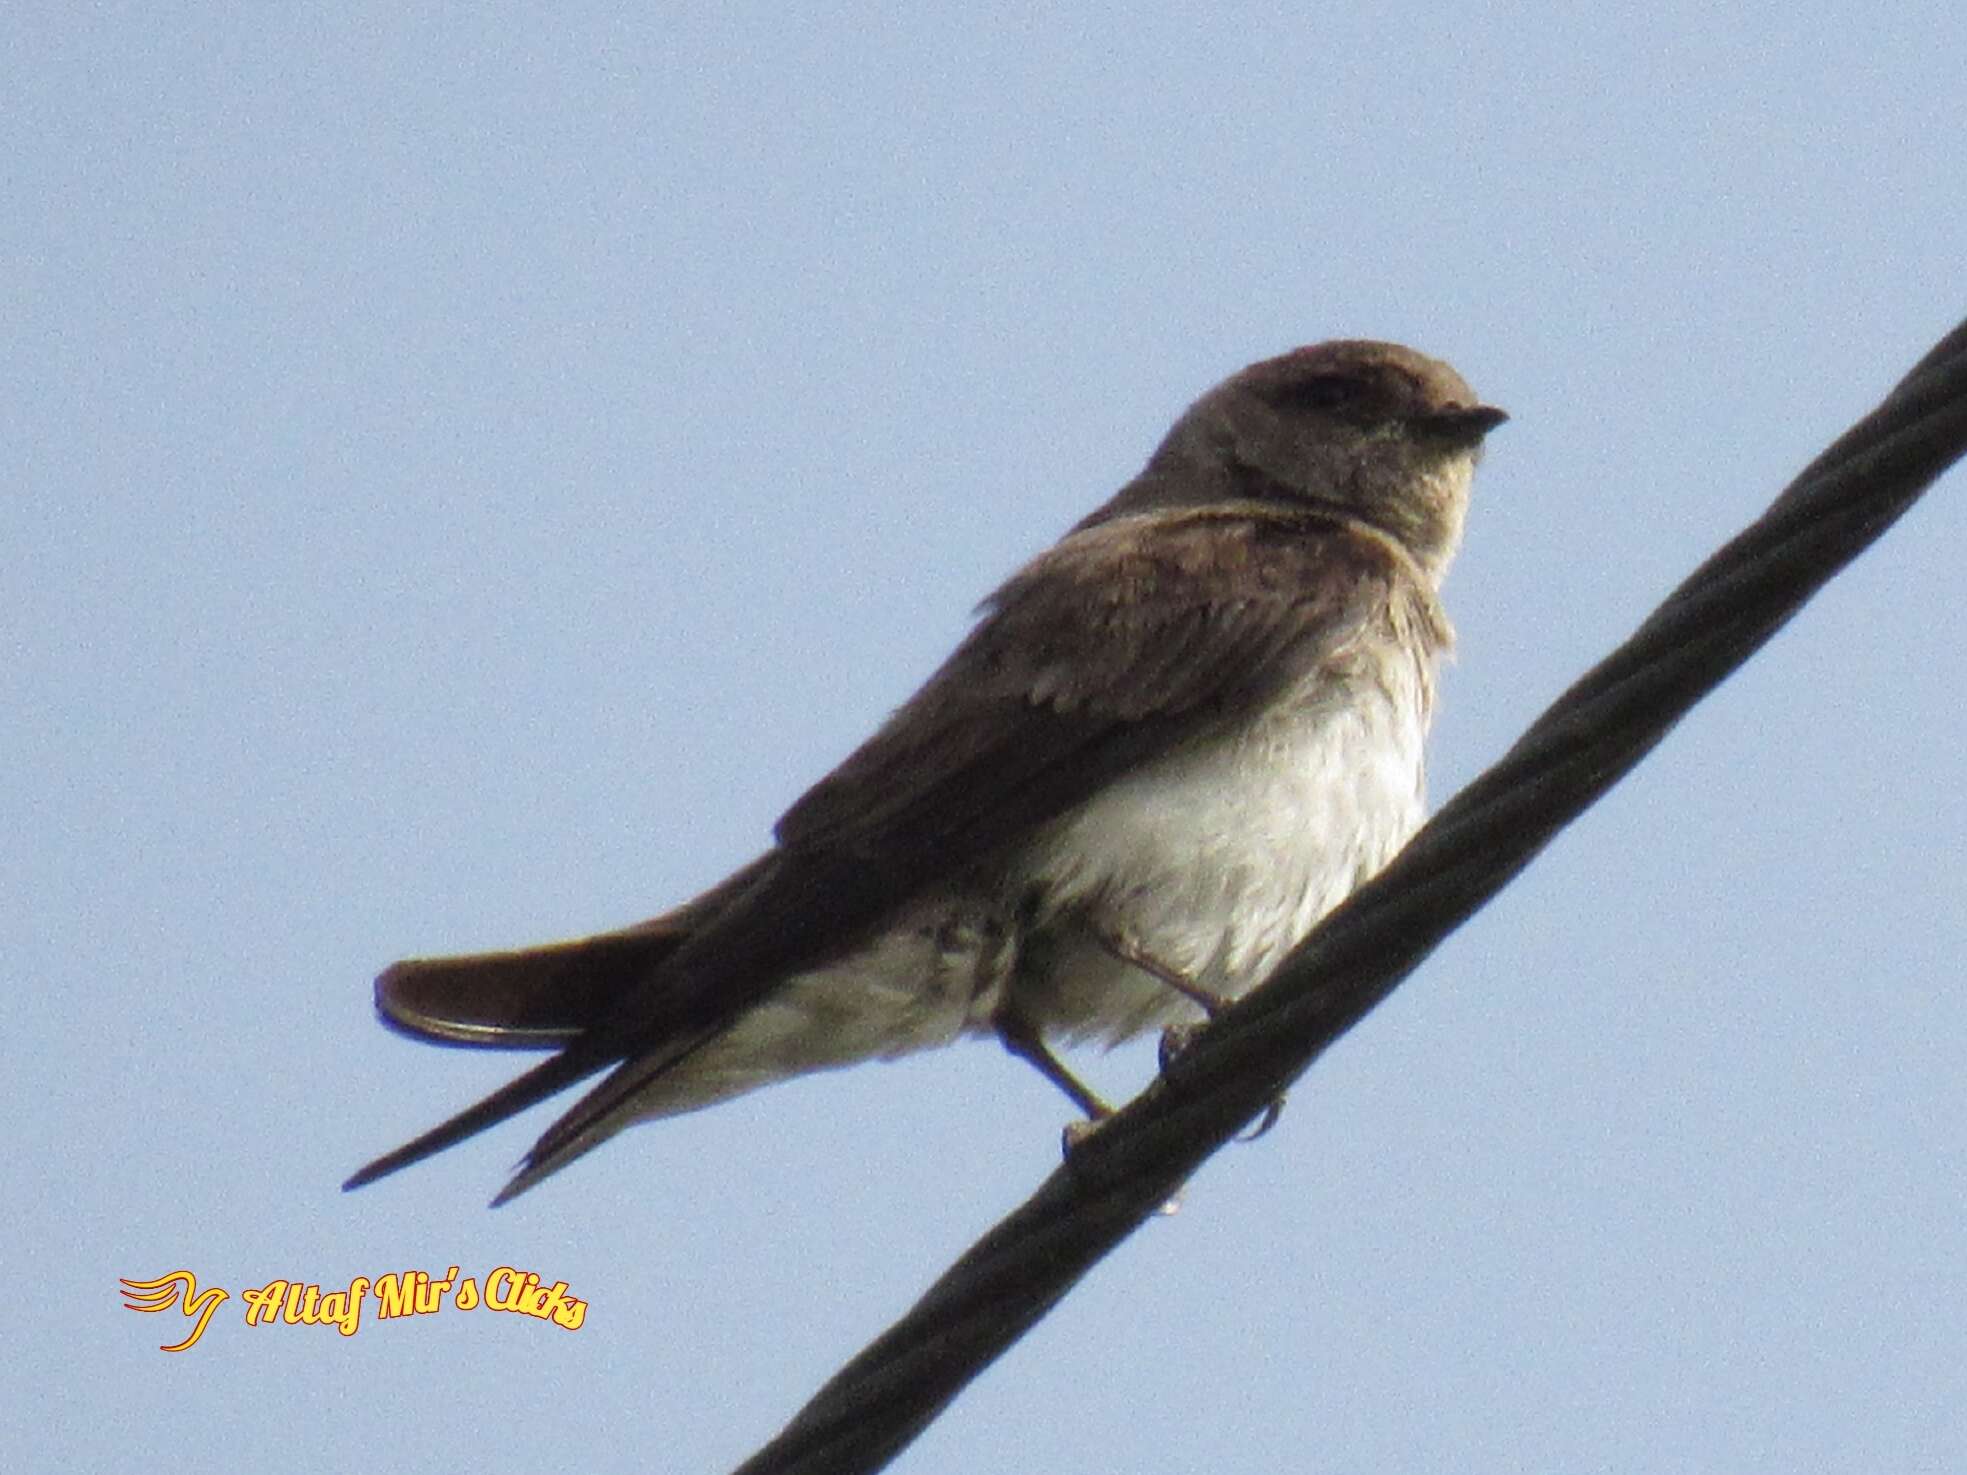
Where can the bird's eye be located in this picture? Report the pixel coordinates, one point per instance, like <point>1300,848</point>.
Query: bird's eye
<point>1319,392</point>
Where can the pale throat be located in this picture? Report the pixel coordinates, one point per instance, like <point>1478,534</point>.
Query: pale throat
<point>1443,489</point>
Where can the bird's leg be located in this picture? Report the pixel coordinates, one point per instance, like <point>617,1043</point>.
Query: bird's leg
<point>1023,1040</point>
<point>1175,1038</point>
<point>1135,956</point>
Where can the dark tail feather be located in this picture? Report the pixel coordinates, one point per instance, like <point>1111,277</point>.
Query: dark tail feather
<point>597,1116</point>
<point>563,995</point>
<point>527,999</point>
<point>548,1078</point>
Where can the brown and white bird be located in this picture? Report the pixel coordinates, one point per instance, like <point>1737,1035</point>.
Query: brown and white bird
<point>1172,743</point>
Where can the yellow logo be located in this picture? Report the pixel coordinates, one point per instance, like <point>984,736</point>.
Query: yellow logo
<point>397,1294</point>
<point>163,1293</point>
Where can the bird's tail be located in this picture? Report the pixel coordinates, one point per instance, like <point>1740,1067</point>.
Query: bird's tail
<point>563,996</point>
<point>536,998</point>
<point>533,998</point>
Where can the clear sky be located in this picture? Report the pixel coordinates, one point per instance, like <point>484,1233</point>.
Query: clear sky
<point>467,471</point>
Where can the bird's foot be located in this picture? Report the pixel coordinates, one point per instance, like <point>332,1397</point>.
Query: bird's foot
<point>1177,1038</point>
<point>1075,1133</point>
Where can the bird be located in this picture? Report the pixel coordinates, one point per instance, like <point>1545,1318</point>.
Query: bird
<point>1169,745</point>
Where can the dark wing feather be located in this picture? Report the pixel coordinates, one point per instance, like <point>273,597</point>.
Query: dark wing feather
<point>1119,643</point>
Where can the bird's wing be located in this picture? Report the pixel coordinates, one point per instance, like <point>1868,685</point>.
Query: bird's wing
<point>1119,643</point>
<point>1125,639</point>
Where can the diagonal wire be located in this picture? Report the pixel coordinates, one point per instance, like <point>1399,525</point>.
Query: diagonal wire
<point>1589,739</point>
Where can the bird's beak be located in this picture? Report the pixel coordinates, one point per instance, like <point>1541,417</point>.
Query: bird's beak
<point>1468,425</point>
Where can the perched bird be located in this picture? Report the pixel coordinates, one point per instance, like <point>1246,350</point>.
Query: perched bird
<point>1172,743</point>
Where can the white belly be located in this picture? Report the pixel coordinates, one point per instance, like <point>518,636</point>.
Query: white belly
<point>1218,861</point>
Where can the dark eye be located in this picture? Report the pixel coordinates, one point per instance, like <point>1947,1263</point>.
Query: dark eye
<point>1319,392</point>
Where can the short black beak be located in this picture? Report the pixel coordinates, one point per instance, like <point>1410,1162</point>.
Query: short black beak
<point>1467,425</point>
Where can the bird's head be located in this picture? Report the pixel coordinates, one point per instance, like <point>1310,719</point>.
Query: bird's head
<point>1368,430</point>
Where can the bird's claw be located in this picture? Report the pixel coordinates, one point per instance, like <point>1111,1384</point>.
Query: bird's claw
<point>1269,1119</point>
<point>1075,1133</point>
<point>1175,1039</point>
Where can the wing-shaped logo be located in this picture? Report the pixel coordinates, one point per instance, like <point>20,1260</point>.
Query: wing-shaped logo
<point>168,1291</point>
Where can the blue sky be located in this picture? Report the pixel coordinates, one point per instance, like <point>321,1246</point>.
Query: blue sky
<point>470,471</point>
